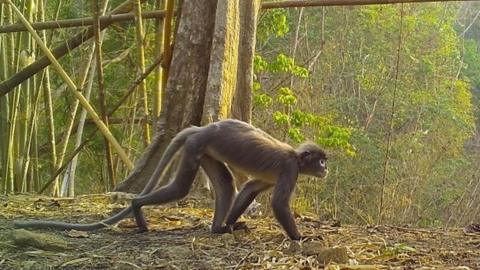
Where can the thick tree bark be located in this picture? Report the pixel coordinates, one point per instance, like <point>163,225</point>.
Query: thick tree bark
<point>215,40</point>
<point>222,76</point>
<point>185,92</point>
<point>242,100</point>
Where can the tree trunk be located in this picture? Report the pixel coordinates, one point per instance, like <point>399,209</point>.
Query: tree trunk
<point>242,100</point>
<point>215,40</point>
<point>185,91</point>
<point>222,73</point>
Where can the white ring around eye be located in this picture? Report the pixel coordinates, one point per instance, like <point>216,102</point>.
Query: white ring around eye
<point>322,162</point>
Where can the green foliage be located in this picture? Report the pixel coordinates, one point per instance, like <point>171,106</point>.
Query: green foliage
<point>286,64</point>
<point>345,103</point>
<point>286,111</point>
<point>471,69</point>
<point>294,120</point>
<point>273,22</point>
<point>262,100</point>
<point>281,118</point>
<point>282,63</point>
<point>286,97</point>
<point>259,64</point>
<point>336,136</point>
<point>295,134</point>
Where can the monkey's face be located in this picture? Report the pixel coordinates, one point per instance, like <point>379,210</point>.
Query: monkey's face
<point>313,163</point>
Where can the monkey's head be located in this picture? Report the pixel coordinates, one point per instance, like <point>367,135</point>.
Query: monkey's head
<point>312,160</point>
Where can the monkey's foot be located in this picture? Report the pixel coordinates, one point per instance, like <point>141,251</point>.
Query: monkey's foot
<point>231,228</point>
<point>141,230</point>
<point>241,225</point>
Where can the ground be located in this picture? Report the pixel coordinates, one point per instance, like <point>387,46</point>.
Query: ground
<point>180,239</point>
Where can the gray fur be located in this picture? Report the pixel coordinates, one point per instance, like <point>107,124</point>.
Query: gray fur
<point>242,147</point>
<point>173,147</point>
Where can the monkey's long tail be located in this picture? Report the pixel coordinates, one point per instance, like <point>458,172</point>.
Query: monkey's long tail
<point>176,143</point>
<point>58,225</point>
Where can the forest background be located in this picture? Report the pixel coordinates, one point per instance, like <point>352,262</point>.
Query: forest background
<point>391,91</point>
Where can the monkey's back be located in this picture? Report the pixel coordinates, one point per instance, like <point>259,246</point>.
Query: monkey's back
<point>247,148</point>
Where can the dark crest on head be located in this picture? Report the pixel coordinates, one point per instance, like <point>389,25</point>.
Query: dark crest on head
<point>312,159</point>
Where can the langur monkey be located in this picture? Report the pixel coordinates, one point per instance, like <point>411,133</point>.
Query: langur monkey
<point>269,162</point>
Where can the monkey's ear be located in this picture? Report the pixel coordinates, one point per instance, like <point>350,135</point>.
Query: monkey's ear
<point>304,155</point>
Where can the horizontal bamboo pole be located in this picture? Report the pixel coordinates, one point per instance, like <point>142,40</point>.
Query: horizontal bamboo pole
<point>71,85</point>
<point>9,84</point>
<point>104,20</point>
<point>108,19</point>
<point>320,3</point>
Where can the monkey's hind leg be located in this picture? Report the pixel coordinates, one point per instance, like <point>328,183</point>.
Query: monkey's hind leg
<point>175,190</point>
<point>222,182</point>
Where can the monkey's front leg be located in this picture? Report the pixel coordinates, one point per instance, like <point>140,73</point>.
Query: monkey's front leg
<point>281,202</point>
<point>244,199</point>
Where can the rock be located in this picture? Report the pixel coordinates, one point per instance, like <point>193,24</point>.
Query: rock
<point>335,254</point>
<point>312,248</point>
<point>24,238</point>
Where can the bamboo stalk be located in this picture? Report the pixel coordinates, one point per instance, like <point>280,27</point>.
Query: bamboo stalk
<point>130,90</point>
<point>73,88</point>
<point>18,118</point>
<point>47,95</point>
<point>157,92</point>
<point>69,186</point>
<point>12,147</point>
<point>8,108</point>
<point>21,102</point>
<point>35,164</point>
<point>167,40</point>
<point>9,84</point>
<point>83,77</point>
<point>81,22</point>
<point>4,108</point>
<point>141,67</point>
<point>68,183</point>
<point>101,92</point>
<point>31,127</point>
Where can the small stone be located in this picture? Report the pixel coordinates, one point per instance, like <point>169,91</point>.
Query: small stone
<point>335,254</point>
<point>24,238</point>
<point>312,248</point>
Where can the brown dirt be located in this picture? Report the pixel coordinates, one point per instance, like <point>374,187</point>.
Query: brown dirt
<point>180,239</point>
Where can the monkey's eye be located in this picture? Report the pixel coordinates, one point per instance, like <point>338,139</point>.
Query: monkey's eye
<point>323,162</point>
